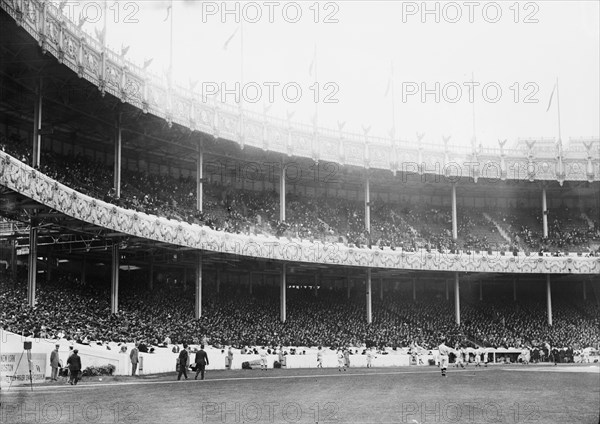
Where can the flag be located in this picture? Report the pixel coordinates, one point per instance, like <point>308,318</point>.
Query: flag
<point>169,8</point>
<point>311,67</point>
<point>230,38</point>
<point>551,96</point>
<point>124,50</point>
<point>390,79</point>
<point>341,125</point>
<point>100,35</point>
<point>147,62</point>
<point>82,20</point>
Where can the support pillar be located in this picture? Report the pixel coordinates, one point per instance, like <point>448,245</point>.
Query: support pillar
<point>151,275</point>
<point>37,128</point>
<point>367,204</point>
<point>454,218</point>
<point>456,299</point>
<point>13,262</point>
<point>282,294</point>
<point>348,287</point>
<point>316,285</point>
<point>282,194</point>
<point>368,293</point>
<point>114,286</point>
<point>83,270</point>
<point>32,264</point>
<point>117,158</point>
<point>549,299</point>
<point>544,213</point>
<point>199,179</point>
<point>447,290</point>
<point>198,291</point>
<point>49,267</point>
<point>514,289</point>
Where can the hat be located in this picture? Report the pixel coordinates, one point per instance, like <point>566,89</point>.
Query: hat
<point>75,351</point>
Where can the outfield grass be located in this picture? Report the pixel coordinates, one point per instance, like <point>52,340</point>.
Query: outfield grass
<point>501,394</point>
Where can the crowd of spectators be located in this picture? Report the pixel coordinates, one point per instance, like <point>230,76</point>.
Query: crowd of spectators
<point>233,317</point>
<point>228,208</point>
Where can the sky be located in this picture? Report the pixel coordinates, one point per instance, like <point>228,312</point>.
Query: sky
<point>515,50</point>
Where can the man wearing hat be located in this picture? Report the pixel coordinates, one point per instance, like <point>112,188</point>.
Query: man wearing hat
<point>134,356</point>
<point>74,363</point>
<point>55,363</point>
<point>444,352</point>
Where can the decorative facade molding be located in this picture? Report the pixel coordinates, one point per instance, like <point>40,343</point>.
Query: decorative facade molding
<point>111,73</point>
<point>25,180</point>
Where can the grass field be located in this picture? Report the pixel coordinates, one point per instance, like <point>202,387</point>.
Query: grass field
<point>498,394</point>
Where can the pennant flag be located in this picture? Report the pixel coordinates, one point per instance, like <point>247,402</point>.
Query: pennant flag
<point>341,125</point>
<point>313,62</point>
<point>551,96</point>
<point>147,62</point>
<point>124,50</point>
<point>230,38</point>
<point>100,35</point>
<point>366,129</point>
<point>290,115</point>
<point>82,20</point>
<point>169,8</point>
<point>389,83</point>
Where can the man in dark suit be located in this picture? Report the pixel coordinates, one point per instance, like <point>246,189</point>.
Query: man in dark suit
<point>135,358</point>
<point>55,363</point>
<point>201,362</point>
<point>74,363</point>
<point>183,362</point>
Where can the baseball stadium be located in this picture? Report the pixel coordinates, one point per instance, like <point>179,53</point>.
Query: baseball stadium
<point>309,274</point>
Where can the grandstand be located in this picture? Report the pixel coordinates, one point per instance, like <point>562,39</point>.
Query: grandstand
<point>125,220</point>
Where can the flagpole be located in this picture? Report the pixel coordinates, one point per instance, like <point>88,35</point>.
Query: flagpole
<point>316,82</point>
<point>558,107</point>
<point>171,50</point>
<point>473,109</point>
<point>105,7</point>
<point>393,103</point>
<point>241,63</point>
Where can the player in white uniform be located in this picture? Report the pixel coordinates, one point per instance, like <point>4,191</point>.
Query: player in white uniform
<point>459,358</point>
<point>341,360</point>
<point>320,358</point>
<point>263,358</point>
<point>477,353</point>
<point>444,352</point>
<point>370,358</point>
